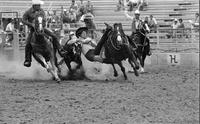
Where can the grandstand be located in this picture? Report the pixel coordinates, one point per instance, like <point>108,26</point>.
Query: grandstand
<point>163,11</point>
<point>104,9</point>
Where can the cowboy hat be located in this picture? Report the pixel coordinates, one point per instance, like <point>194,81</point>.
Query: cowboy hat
<point>137,12</point>
<point>71,33</point>
<point>37,2</point>
<point>80,30</point>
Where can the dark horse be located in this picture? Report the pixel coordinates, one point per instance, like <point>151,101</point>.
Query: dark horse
<point>73,55</point>
<point>117,48</point>
<point>42,48</point>
<point>141,41</point>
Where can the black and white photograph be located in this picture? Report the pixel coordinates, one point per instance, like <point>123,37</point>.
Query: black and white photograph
<point>99,62</point>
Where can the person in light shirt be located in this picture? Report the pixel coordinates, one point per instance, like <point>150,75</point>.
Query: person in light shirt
<point>90,49</point>
<point>10,29</point>
<point>10,26</point>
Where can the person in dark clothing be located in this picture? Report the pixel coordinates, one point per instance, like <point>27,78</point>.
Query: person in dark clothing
<point>27,19</point>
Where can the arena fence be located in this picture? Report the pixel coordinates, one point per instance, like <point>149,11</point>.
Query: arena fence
<point>186,40</point>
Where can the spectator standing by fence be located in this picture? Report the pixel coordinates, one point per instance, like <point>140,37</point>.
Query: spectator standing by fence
<point>174,27</point>
<point>181,27</point>
<point>10,29</point>
<point>131,4</point>
<point>120,5</point>
<point>72,16</point>
<point>195,22</point>
<point>74,5</point>
<point>81,9</point>
<point>88,20</point>
<point>89,7</point>
<point>153,24</point>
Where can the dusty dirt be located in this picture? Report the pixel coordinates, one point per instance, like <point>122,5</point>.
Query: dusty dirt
<point>162,95</point>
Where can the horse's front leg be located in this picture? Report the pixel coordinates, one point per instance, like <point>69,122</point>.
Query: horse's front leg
<point>67,62</point>
<point>55,70</point>
<point>123,70</point>
<point>142,63</point>
<point>115,71</point>
<point>79,62</point>
<point>141,59</point>
<point>132,56</point>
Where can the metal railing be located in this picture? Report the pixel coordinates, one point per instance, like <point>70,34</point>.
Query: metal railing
<point>181,40</point>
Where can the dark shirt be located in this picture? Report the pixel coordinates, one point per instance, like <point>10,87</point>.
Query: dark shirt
<point>30,15</point>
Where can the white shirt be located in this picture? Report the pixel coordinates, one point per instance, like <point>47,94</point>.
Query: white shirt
<point>134,1</point>
<point>10,27</point>
<point>87,44</point>
<point>153,21</point>
<point>73,40</point>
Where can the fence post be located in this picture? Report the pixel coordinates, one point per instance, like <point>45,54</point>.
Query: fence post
<point>15,45</point>
<point>3,39</point>
<point>158,41</point>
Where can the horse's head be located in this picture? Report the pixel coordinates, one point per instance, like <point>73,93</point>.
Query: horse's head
<point>77,48</point>
<point>118,34</point>
<point>143,28</point>
<point>40,24</point>
<point>118,31</point>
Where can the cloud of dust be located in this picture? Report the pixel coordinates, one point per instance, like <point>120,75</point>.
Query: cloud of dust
<point>96,70</point>
<point>15,69</point>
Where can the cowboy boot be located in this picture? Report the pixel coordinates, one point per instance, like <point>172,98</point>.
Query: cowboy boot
<point>27,61</point>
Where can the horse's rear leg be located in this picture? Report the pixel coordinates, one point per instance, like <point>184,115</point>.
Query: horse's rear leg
<point>123,70</point>
<point>115,71</point>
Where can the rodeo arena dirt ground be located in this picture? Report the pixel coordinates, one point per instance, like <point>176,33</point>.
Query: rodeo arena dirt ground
<point>164,94</point>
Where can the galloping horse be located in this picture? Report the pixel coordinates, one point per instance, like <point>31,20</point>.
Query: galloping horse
<point>117,48</point>
<point>140,39</point>
<point>42,48</point>
<point>73,55</point>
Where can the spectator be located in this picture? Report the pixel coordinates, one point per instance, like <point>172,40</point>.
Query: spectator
<point>153,24</point>
<point>181,24</point>
<point>131,4</point>
<point>88,19</point>
<point>195,22</point>
<point>54,17</point>
<point>120,5</point>
<point>141,4</point>
<point>81,9</point>
<point>65,16</point>
<point>146,20</point>
<point>72,16</point>
<point>73,6</point>
<point>89,7</point>
<point>174,27</point>
<point>10,29</point>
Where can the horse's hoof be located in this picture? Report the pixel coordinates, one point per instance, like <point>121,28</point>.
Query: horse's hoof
<point>115,75</point>
<point>137,67</point>
<point>58,80</point>
<point>48,70</point>
<point>136,72</point>
<point>126,78</point>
